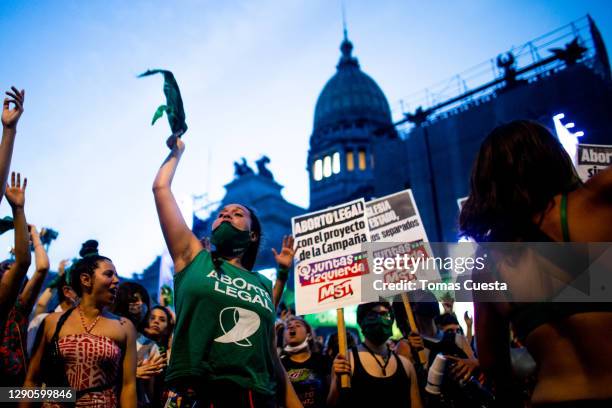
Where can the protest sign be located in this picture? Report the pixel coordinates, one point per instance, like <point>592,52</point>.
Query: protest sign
<point>592,159</point>
<point>395,221</point>
<point>329,260</point>
<point>396,226</point>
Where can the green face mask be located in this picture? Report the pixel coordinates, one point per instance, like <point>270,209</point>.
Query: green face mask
<point>229,240</point>
<point>377,329</point>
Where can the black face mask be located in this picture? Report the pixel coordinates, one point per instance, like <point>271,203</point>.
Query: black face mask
<point>229,240</point>
<point>377,329</point>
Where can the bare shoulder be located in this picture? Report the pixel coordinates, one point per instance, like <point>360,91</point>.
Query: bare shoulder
<point>408,367</point>
<point>122,328</point>
<point>119,321</point>
<point>50,323</point>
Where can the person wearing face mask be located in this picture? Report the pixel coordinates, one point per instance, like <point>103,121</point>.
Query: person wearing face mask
<point>377,373</point>
<point>308,370</point>
<point>133,303</point>
<point>224,352</point>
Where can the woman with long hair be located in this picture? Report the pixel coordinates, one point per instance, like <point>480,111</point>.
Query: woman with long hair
<point>223,350</point>
<point>97,349</point>
<point>160,328</point>
<point>524,188</point>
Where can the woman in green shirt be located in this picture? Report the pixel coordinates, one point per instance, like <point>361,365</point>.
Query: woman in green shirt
<point>223,352</point>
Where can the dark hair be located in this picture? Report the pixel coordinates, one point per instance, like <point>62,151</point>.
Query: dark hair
<point>364,308</point>
<point>250,255</point>
<point>331,344</point>
<point>125,296</point>
<point>60,287</point>
<point>165,337</point>
<point>88,248</point>
<point>422,303</point>
<point>87,264</point>
<point>445,319</point>
<point>519,169</point>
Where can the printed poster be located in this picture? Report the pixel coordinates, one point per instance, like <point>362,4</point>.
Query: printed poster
<point>329,259</point>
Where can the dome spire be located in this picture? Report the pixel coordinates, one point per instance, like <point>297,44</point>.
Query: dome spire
<point>344,21</point>
<point>346,47</point>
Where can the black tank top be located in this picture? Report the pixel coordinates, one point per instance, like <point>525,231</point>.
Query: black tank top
<point>369,391</point>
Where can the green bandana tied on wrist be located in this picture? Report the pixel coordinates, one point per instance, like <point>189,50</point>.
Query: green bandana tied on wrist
<point>282,273</point>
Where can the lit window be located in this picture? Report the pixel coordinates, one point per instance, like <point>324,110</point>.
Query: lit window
<point>350,160</point>
<point>317,170</point>
<point>336,163</point>
<point>362,159</point>
<point>327,166</point>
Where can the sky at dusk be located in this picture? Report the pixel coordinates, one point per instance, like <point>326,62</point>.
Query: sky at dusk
<point>250,73</point>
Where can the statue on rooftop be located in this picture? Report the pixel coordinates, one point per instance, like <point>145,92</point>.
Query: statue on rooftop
<point>242,169</point>
<point>262,170</point>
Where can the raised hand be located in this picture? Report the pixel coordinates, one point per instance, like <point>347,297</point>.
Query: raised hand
<point>175,143</point>
<point>416,342</point>
<point>468,320</point>
<point>15,192</point>
<point>33,230</point>
<point>10,117</point>
<point>284,258</point>
<point>61,269</point>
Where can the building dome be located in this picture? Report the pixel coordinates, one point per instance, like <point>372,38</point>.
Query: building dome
<point>350,96</point>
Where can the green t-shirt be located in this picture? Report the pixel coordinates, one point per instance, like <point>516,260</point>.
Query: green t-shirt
<point>224,325</point>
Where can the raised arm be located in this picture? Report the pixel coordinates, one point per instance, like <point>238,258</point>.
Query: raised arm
<point>284,259</point>
<point>182,244</point>
<point>10,117</point>
<point>41,260</point>
<point>11,280</point>
<point>45,297</point>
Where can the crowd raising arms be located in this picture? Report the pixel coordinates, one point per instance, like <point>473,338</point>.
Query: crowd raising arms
<point>566,358</point>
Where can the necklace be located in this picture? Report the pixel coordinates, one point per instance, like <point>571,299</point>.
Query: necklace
<point>89,328</point>
<point>386,361</point>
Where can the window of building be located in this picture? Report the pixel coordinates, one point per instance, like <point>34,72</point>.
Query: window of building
<point>336,163</point>
<point>327,166</point>
<point>362,159</point>
<point>317,170</point>
<point>350,160</point>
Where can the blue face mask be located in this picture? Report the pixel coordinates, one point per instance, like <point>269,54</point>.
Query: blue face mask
<point>229,240</point>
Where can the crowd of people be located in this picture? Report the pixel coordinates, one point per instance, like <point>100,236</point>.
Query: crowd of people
<point>226,343</point>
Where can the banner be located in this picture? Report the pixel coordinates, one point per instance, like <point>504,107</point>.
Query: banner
<point>329,260</point>
<point>592,159</point>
